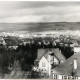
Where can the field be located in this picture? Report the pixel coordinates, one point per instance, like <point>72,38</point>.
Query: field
<point>37,27</point>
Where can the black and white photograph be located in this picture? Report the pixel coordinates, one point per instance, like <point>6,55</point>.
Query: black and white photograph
<point>39,40</point>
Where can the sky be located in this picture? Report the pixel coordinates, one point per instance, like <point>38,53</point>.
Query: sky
<point>35,11</point>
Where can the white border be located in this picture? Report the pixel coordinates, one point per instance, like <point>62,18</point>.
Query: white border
<point>46,0</point>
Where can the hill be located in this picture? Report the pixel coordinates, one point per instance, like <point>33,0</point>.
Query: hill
<point>38,27</point>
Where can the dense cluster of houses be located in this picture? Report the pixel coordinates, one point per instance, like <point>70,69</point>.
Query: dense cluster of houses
<point>48,59</point>
<point>5,41</point>
<point>40,42</point>
<point>49,55</point>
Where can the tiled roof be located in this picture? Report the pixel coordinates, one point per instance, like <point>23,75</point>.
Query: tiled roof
<point>67,67</point>
<point>46,52</point>
<point>41,53</point>
<point>58,54</point>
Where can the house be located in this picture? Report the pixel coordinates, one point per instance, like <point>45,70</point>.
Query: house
<point>72,65</point>
<point>66,45</point>
<point>53,43</point>
<point>47,59</point>
<point>72,45</point>
<point>58,54</point>
<point>41,61</point>
<point>61,44</point>
<point>76,49</point>
<point>12,47</point>
<point>47,40</point>
<point>2,41</point>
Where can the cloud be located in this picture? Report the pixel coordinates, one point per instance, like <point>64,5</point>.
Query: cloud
<point>12,12</point>
<point>22,19</point>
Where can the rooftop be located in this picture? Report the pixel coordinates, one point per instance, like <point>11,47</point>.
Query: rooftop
<point>67,67</point>
<point>45,52</point>
<point>41,53</point>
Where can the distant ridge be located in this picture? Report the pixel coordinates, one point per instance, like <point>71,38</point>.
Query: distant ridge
<point>38,27</point>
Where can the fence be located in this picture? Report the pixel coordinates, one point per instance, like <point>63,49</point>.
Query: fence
<point>60,76</point>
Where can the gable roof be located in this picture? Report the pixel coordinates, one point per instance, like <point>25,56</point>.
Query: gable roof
<point>66,68</point>
<point>41,53</point>
<point>46,52</point>
<point>58,54</point>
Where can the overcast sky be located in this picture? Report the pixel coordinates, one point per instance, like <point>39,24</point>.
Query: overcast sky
<point>18,11</point>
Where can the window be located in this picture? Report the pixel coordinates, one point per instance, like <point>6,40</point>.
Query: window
<point>43,64</point>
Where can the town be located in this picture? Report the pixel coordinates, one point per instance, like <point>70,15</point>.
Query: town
<point>37,56</point>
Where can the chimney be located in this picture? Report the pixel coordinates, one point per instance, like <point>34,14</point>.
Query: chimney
<point>75,63</point>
